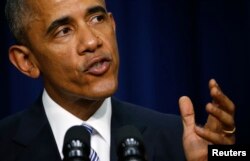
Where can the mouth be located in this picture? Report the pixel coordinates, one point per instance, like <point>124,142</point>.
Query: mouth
<point>98,65</point>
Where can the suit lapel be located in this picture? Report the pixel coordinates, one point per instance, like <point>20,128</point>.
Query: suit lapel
<point>34,136</point>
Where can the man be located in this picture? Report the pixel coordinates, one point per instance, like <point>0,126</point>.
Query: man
<point>72,45</point>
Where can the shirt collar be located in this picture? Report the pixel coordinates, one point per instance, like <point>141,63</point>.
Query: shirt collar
<point>61,120</point>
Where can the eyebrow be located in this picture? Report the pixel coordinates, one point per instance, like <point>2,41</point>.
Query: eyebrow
<point>59,22</point>
<point>66,20</point>
<point>96,9</point>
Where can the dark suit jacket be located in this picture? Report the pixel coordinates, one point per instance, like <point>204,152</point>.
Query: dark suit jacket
<point>27,136</point>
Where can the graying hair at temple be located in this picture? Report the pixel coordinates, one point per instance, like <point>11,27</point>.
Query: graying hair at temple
<point>18,14</point>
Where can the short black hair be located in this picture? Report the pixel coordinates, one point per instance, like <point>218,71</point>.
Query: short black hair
<point>17,13</point>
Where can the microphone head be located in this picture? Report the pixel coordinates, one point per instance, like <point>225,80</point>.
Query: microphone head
<point>76,146</point>
<point>130,145</point>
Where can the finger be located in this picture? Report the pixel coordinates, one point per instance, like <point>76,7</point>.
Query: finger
<point>213,123</point>
<point>220,98</point>
<point>187,112</point>
<point>212,83</point>
<point>225,119</point>
<point>214,137</point>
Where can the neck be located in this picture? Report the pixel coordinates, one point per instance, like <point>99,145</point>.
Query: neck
<point>78,106</point>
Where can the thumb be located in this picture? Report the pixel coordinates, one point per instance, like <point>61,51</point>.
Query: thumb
<point>187,112</point>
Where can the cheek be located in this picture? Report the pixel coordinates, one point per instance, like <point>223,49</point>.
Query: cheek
<point>57,61</point>
<point>111,43</point>
<point>115,53</point>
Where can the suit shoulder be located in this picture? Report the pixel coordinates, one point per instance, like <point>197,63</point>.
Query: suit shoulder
<point>138,113</point>
<point>10,122</point>
<point>9,127</point>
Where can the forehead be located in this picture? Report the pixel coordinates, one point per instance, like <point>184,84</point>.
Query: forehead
<point>54,7</point>
<point>45,12</point>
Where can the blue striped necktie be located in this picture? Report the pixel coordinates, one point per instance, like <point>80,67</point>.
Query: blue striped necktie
<point>93,155</point>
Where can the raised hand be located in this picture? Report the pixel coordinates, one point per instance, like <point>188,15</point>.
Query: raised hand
<point>219,128</point>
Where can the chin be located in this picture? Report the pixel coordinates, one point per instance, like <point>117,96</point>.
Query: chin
<point>103,90</point>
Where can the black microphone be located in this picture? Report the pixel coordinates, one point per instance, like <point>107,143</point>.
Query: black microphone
<point>130,145</point>
<point>76,146</point>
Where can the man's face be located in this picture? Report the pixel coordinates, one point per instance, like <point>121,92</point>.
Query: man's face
<point>74,45</point>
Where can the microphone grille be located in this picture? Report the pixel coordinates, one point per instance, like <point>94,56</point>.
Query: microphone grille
<point>130,144</point>
<point>128,131</point>
<point>76,144</point>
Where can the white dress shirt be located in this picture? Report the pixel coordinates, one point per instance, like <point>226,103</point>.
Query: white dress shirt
<point>61,120</point>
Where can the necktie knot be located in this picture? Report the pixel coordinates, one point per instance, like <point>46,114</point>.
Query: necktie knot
<point>90,129</point>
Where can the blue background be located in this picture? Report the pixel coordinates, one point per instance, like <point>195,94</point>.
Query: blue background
<point>168,48</point>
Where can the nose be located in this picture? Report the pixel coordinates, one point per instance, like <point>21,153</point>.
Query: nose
<point>89,40</point>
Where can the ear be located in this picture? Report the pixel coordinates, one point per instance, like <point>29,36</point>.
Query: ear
<point>23,59</point>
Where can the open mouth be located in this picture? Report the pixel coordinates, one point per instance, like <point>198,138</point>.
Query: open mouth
<point>98,65</point>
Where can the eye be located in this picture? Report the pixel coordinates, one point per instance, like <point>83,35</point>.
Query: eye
<point>63,32</point>
<point>98,19</point>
